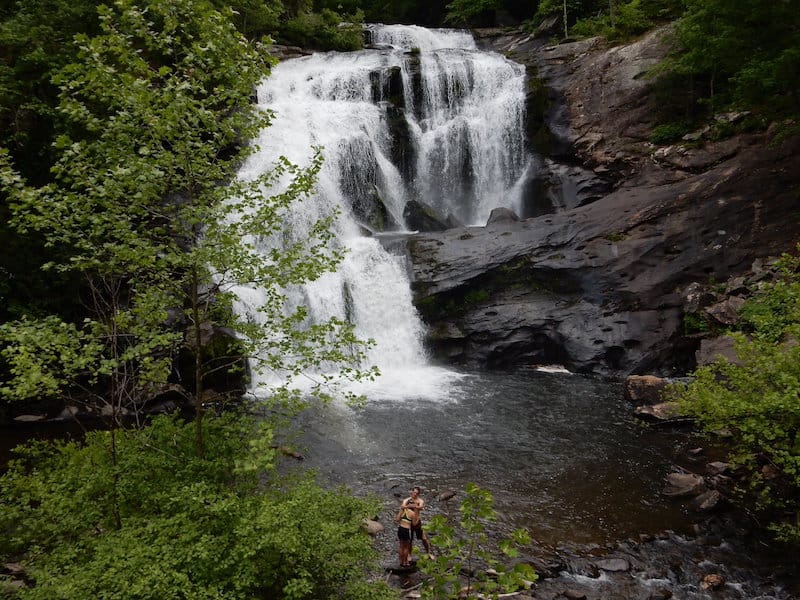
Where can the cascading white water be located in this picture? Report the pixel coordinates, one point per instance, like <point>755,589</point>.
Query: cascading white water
<point>466,115</point>
<point>463,113</point>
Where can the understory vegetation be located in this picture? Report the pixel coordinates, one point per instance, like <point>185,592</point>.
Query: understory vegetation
<point>126,235</point>
<point>755,403</point>
<point>154,520</point>
<point>148,118</point>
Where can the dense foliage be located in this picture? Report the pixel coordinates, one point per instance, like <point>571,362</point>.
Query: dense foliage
<point>161,522</point>
<point>154,108</point>
<point>37,41</point>
<point>756,402</point>
<point>743,53</point>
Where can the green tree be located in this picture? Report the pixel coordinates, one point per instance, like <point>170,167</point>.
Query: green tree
<point>254,18</point>
<point>757,401</point>
<point>222,526</point>
<point>163,96</point>
<point>144,205</point>
<point>324,30</point>
<point>35,42</point>
<point>742,51</point>
<point>464,562</point>
<point>472,12</point>
<point>571,10</point>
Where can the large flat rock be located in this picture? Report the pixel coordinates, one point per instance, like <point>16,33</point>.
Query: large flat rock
<point>598,288</point>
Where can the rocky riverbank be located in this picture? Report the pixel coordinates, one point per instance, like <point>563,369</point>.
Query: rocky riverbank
<point>601,277</point>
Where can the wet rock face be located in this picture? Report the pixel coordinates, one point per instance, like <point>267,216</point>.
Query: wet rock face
<point>359,182</point>
<point>598,286</point>
<point>423,217</point>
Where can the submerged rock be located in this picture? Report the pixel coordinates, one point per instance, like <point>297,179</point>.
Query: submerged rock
<point>681,485</point>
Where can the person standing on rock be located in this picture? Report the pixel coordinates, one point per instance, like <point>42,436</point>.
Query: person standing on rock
<point>405,519</point>
<point>418,503</point>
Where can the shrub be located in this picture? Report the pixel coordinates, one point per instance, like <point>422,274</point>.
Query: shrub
<point>757,401</point>
<point>669,133</point>
<point>325,30</point>
<point>151,520</point>
<point>462,548</point>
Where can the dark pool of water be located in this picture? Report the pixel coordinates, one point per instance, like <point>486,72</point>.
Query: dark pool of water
<point>562,455</point>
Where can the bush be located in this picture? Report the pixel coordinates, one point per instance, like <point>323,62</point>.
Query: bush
<point>627,21</point>
<point>137,515</point>
<point>325,30</point>
<point>471,12</point>
<point>462,548</point>
<point>757,401</point>
<point>669,133</point>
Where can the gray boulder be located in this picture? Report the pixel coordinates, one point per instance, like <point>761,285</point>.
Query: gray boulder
<point>599,287</point>
<point>423,217</point>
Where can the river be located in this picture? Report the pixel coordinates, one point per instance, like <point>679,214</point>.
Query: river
<point>564,458</point>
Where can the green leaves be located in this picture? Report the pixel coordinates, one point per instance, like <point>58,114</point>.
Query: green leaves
<point>191,527</point>
<point>146,206</point>
<point>742,48</point>
<point>43,356</point>
<point>468,12</point>
<point>757,402</point>
<point>463,559</point>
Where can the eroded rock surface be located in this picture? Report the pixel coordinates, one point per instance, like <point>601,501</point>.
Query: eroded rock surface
<point>600,287</point>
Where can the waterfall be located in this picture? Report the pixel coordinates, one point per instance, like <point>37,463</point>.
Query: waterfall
<point>421,115</point>
<point>465,110</point>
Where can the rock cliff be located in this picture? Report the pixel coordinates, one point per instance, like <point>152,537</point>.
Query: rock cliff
<point>620,229</point>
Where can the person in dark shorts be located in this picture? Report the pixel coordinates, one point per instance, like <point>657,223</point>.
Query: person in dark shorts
<point>418,503</point>
<point>405,518</point>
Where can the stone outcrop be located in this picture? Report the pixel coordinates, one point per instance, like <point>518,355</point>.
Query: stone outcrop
<point>600,285</point>
<point>423,217</point>
<point>645,389</point>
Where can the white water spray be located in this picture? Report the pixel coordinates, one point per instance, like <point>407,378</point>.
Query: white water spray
<point>462,112</point>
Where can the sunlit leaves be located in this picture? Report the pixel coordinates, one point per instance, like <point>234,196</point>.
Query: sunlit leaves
<point>191,527</point>
<point>464,561</point>
<point>146,202</point>
<point>758,402</point>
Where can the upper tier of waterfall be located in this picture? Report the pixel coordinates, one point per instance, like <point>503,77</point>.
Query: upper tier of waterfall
<point>422,116</point>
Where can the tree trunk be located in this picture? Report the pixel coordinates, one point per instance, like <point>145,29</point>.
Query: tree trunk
<point>115,485</point>
<point>197,349</point>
